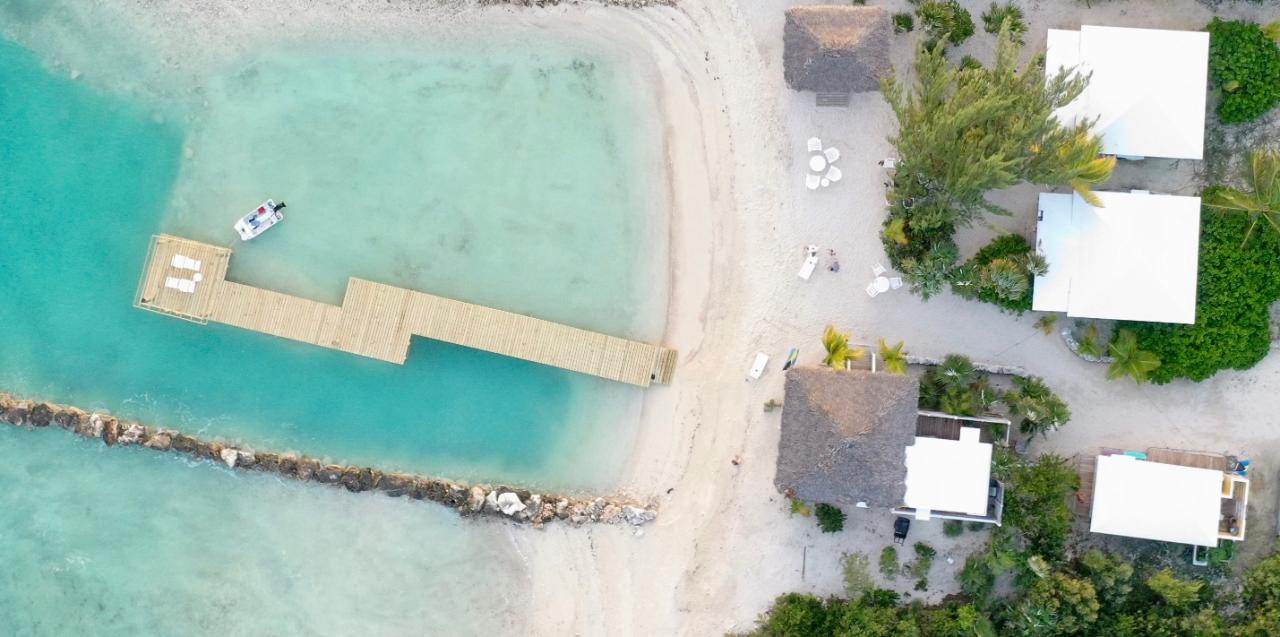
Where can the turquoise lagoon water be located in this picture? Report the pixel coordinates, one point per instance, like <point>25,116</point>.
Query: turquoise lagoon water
<point>127,543</point>
<point>507,179</point>
<point>426,168</point>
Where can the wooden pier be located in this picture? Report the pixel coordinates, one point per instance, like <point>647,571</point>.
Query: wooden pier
<point>378,321</point>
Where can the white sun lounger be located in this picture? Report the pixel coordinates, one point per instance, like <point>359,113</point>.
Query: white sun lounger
<point>831,154</point>
<point>183,262</point>
<point>757,366</point>
<point>815,145</point>
<point>834,174</point>
<point>810,264</point>
<point>181,285</point>
<point>811,181</point>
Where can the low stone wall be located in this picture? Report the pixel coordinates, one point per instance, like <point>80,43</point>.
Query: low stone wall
<point>987,368</point>
<point>505,502</point>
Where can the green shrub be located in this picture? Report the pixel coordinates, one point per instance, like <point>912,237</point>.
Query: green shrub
<point>994,16</point>
<point>968,63</point>
<point>919,567</point>
<point>889,562</point>
<point>903,23</point>
<point>1035,503</point>
<point>1001,273</point>
<point>830,518</point>
<point>1237,285</point>
<point>945,19</point>
<point>857,573</point>
<point>1245,64</point>
<point>1041,410</point>
<point>956,388</point>
<point>953,528</point>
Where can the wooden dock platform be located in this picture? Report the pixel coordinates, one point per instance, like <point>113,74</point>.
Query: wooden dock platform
<point>378,321</point>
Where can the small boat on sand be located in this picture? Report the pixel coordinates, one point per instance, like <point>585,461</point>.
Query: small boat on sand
<point>257,222</point>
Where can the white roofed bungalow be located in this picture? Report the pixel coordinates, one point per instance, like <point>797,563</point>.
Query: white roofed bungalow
<point>1146,89</point>
<point>1135,259</point>
<point>1139,497</point>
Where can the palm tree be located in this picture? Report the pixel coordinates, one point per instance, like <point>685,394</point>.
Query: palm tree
<point>956,372</point>
<point>895,362</point>
<point>1079,161</point>
<point>1262,203</point>
<point>838,350</point>
<point>1131,361</point>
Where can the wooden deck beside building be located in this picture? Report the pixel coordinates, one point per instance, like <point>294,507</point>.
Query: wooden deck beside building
<point>378,321</point>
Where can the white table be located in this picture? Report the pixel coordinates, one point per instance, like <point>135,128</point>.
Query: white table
<point>817,163</point>
<point>882,284</point>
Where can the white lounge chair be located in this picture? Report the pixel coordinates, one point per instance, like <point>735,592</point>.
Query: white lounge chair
<point>834,174</point>
<point>187,285</point>
<point>171,282</point>
<point>831,154</point>
<point>757,366</point>
<point>895,282</point>
<point>811,181</point>
<point>871,290</point>
<point>810,264</point>
<point>183,262</point>
<point>815,145</point>
<point>877,269</point>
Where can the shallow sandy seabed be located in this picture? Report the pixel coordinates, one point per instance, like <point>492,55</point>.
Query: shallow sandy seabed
<point>724,544</point>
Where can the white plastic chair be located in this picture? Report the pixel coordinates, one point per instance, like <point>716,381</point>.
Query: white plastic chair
<point>757,366</point>
<point>810,264</point>
<point>877,269</point>
<point>834,174</point>
<point>812,181</point>
<point>895,282</point>
<point>831,154</point>
<point>871,290</point>
<point>815,145</point>
<point>889,163</point>
<point>825,182</point>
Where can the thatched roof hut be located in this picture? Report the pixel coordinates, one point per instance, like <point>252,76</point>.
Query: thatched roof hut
<point>836,48</point>
<point>844,436</point>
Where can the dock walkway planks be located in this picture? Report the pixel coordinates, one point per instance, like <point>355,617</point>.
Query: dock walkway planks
<point>378,321</point>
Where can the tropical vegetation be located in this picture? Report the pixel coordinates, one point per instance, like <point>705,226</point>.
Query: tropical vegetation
<point>895,360</point>
<point>1097,595</point>
<point>1129,359</point>
<point>966,131</point>
<point>1244,65</point>
<point>1038,409</point>
<point>1238,282</point>
<point>1002,273</point>
<point>838,350</point>
<point>830,518</point>
<point>1260,201</point>
<point>944,21</point>
<point>997,14</point>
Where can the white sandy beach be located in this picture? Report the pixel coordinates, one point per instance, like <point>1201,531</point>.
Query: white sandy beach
<point>724,544</point>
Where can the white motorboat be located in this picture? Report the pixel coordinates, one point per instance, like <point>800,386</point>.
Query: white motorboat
<point>257,222</point>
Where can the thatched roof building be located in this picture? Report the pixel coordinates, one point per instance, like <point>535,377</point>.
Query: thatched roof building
<point>836,48</point>
<point>844,434</point>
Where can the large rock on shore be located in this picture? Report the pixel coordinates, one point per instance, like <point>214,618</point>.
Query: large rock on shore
<point>635,516</point>
<point>509,503</point>
<point>41,415</point>
<point>110,430</point>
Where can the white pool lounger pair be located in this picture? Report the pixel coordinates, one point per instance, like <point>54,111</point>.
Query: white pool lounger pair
<point>181,285</point>
<point>182,262</point>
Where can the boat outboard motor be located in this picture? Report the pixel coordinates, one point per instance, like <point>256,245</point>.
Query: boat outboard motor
<point>278,206</point>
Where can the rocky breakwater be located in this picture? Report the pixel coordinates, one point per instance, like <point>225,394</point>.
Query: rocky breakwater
<point>505,502</point>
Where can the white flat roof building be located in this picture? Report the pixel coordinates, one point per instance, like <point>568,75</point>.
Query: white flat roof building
<point>1147,88</point>
<point>951,476</point>
<point>1166,502</point>
<point>1136,259</point>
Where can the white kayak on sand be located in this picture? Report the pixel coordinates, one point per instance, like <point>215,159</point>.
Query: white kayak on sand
<point>257,222</point>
